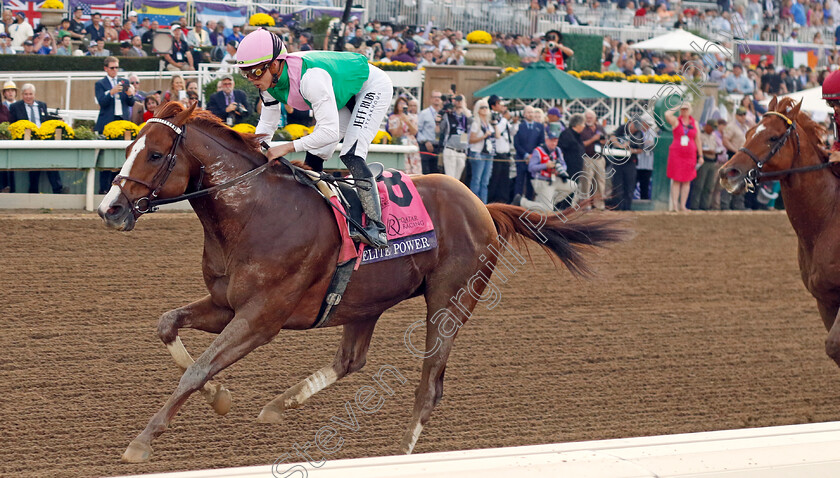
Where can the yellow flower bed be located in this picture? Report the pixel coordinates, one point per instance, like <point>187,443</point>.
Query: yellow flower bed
<point>394,65</point>
<point>382,137</point>
<point>244,128</point>
<point>261,20</point>
<point>297,131</point>
<point>47,130</point>
<point>17,128</point>
<point>619,76</point>
<point>53,4</point>
<point>512,69</point>
<point>117,129</point>
<point>480,37</point>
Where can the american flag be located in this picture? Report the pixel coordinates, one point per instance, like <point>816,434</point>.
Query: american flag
<point>29,8</point>
<point>107,10</point>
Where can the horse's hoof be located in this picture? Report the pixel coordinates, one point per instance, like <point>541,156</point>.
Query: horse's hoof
<point>137,452</point>
<point>270,414</point>
<point>221,402</point>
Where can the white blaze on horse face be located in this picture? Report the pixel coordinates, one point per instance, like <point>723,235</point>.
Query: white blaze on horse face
<point>759,129</point>
<point>114,192</point>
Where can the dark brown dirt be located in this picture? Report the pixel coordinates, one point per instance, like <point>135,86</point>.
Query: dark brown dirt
<point>700,323</point>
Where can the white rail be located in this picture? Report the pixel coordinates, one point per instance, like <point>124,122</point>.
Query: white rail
<point>809,450</point>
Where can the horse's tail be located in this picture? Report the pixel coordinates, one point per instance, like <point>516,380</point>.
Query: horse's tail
<point>565,236</point>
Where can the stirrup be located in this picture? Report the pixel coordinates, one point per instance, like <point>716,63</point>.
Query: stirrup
<point>374,235</point>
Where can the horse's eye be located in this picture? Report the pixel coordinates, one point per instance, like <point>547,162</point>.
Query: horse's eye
<point>773,139</point>
<point>155,156</point>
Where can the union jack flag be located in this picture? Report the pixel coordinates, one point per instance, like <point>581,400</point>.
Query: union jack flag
<point>29,8</point>
<point>107,10</point>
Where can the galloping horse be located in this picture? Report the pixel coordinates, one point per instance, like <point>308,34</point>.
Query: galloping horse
<point>271,245</point>
<point>786,145</point>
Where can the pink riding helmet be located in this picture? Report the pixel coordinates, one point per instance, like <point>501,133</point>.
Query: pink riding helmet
<point>260,46</point>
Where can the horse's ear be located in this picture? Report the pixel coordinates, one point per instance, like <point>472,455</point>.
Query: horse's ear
<point>184,115</point>
<point>795,111</point>
<point>773,103</point>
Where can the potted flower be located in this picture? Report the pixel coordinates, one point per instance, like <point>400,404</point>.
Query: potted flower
<point>263,20</point>
<point>481,50</point>
<point>55,129</point>
<point>382,137</point>
<point>120,129</point>
<point>22,129</point>
<point>52,11</point>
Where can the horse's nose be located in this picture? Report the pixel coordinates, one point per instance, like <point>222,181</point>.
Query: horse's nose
<point>730,172</point>
<point>112,212</point>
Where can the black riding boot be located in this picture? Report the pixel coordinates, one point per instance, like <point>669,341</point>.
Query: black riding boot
<point>369,197</point>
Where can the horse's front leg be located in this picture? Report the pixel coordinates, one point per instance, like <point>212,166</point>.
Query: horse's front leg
<point>203,315</point>
<point>248,330</point>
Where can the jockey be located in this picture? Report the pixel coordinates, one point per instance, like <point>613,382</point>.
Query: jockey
<point>831,95</point>
<point>348,96</point>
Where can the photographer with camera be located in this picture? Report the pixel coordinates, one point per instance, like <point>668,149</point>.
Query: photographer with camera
<point>554,51</point>
<point>428,133</point>
<point>549,177</point>
<point>231,106</point>
<point>500,180</point>
<point>453,136</point>
<point>115,97</point>
<point>403,128</point>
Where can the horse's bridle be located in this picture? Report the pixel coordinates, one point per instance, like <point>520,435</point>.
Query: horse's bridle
<point>150,203</point>
<point>144,204</point>
<point>755,174</point>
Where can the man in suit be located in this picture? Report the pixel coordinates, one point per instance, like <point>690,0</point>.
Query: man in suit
<point>35,111</point>
<point>115,97</point>
<point>230,105</point>
<point>527,138</point>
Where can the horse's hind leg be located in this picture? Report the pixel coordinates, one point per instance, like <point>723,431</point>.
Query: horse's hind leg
<point>443,321</point>
<point>830,317</point>
<point>351,357</point>
<point>201,315</point>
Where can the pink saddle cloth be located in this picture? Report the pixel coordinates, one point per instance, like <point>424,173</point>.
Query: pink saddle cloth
<point>410,229</point>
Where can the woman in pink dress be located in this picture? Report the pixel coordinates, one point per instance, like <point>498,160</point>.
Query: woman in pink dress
<point>683,156</point>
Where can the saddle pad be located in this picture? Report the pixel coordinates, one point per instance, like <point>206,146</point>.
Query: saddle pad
<point>409,227</point>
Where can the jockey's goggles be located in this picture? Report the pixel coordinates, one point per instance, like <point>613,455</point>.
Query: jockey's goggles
<point>256,72</point>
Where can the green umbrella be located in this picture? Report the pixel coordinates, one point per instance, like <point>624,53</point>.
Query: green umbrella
<point>543,81</point>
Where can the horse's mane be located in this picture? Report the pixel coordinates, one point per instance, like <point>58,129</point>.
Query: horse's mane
<point>804,121</point>
<point>181,116</point>
<point>208,120</point>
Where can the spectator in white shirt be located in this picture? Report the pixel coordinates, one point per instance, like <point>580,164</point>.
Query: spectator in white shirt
<point>21,30</point>
<point>198,36</point>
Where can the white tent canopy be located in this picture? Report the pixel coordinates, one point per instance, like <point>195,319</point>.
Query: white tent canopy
<point>812,102</point>
<point>681,40</point>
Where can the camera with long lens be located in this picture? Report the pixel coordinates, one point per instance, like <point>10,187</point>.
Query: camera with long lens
<point>448,105</point>
<point>495,118</point>
<point>241,109</point>
<point>552,45</point>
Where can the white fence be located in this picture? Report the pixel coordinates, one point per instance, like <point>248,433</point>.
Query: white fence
<point>791,451</point>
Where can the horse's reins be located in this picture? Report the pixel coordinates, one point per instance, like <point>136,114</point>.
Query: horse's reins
<point>755,175</point>
<point>151,204</point>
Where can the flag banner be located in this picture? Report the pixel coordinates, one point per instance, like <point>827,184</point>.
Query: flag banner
<point>316,13</point>
<point>29,8</point>
<point>230,15</point>
<point>165,13</point>
<point>107,8</point>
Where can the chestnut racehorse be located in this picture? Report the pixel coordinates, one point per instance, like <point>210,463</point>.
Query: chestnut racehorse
<point>271,246</point>
<point>786,145</point>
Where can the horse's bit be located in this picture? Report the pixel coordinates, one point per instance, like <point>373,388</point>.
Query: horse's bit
<point>755,174</point>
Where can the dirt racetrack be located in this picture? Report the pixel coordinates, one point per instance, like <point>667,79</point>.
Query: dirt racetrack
<point>700,323</point>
